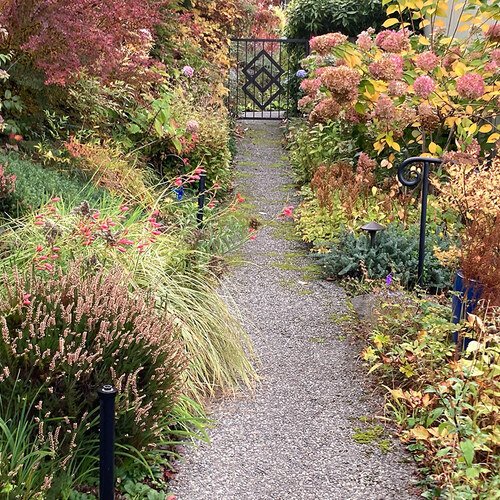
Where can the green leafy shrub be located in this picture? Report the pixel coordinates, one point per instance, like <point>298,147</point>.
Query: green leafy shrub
<point>318,145</point>
<point>446,408</point>
<point>308,18</point>
<point>395,252</point>
<point>35,185</point>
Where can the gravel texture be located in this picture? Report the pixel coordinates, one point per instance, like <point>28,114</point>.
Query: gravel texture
<point>293,437</point>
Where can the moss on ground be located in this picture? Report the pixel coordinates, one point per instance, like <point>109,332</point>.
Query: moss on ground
<point>372,435</point>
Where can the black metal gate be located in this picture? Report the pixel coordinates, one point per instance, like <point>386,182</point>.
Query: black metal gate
<point>263,80</point>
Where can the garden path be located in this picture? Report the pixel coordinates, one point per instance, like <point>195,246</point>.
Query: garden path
<point>294,437</point>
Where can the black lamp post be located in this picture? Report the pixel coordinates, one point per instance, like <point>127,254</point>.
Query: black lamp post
<point>372,228</point>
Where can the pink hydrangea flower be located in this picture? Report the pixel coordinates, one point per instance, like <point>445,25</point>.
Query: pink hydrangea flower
<point>397,88</point>
<point>364,41</point>
<point>393,41</point>
<point>493,32</point>
<point>310,86</point>
<point>324,43</point>
<point>495,56</point>
<point>384,108</point>
<point>424,86</point>
<point>470,86</point>
<point>390,67</point>
<point>427,60</point>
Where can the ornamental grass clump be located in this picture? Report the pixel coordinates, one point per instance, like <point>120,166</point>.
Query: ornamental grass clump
<point>65,334</point>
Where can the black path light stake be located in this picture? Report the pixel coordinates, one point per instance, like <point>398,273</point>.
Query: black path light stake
<point>372,228</point>
<point>414,179</point>
<point>201,199</point>
<point>107,394</point>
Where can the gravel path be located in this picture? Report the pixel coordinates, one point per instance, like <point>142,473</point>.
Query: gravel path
<point>294,437</point>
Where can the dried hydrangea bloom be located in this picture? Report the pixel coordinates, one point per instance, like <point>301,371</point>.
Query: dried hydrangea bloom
<point>324,43</point>
<point>397,88</point>
<point>493,33</point>
<point>424,86</point>
<point>427,60</point>
<point>393,41</point>
<point>364,41</point>
<point>384,108</point>
<point>342,82</point>
<point>429,120</point>
<point>470,86</point>
<point>310,86</point>
<point>324,111</point>
<point>389,67</point>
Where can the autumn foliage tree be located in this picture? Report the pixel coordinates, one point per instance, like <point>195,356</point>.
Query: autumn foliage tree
<point>106,39</point>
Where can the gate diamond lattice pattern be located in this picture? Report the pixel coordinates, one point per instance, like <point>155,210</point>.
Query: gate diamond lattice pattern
<point>263,79</point>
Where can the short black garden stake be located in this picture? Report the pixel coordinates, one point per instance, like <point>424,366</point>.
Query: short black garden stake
<point>107,394</point>
<point>415,178</point>
<point>201,199</point>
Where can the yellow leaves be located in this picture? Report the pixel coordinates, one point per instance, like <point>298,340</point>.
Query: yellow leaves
<point>459,68</point>
<point>392,143</point>
<point>424,23</point>
<point>493,138</point>
<point>390,22</point>
<point>435,149</point>
<point>423,40</point>
<point>420,432</point>
<point>391,9</point>
<point>352,59</point>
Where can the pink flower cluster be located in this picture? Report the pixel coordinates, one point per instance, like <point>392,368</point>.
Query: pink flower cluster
<point>390,67</point>
<point>342,82</point>
<point>327,109</point>
<point>493,33</point>
<point>397,88</point>
<point>364,41</point>
<point>324,43</point>
<point>310,86</point>
<point>393,41</point>
<point>384,108</point>
<point>427,60</point>
<point>424,86</point>
<point>470,86</point>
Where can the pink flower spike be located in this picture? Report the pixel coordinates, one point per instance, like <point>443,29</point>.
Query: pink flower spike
<point>26,299</point>
<point>156,232</point>
<point>125,242</point>
<point>239,198</point>
<point>211,204</point>
<point>121,249</point>
<point>124,208</point>
<point>39,248</point>
<point>48,267</point>
<point>199,170</point>
<point>178,182</point>
<point>55,200</point>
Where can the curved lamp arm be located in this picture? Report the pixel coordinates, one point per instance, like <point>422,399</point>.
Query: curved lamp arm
<point>412,179</point>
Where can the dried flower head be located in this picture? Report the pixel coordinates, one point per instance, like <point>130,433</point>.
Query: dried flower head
<point>470,86</point>
<point>342,82</point>
<point>324,43</point>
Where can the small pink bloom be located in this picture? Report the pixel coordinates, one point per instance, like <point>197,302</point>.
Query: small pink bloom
<point>239,198</point>
<point>211,204</point>
<point>55,200</point>
<point>121,249</point>
<point>470,86</point>
<point>188,71</point>
<point>287,212</point>
<point>124,208</point>
<point>26,299</point>
<point>39,248</point>
<point>178,182</point>
<point>156,232</point>
<point>424,86</point>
